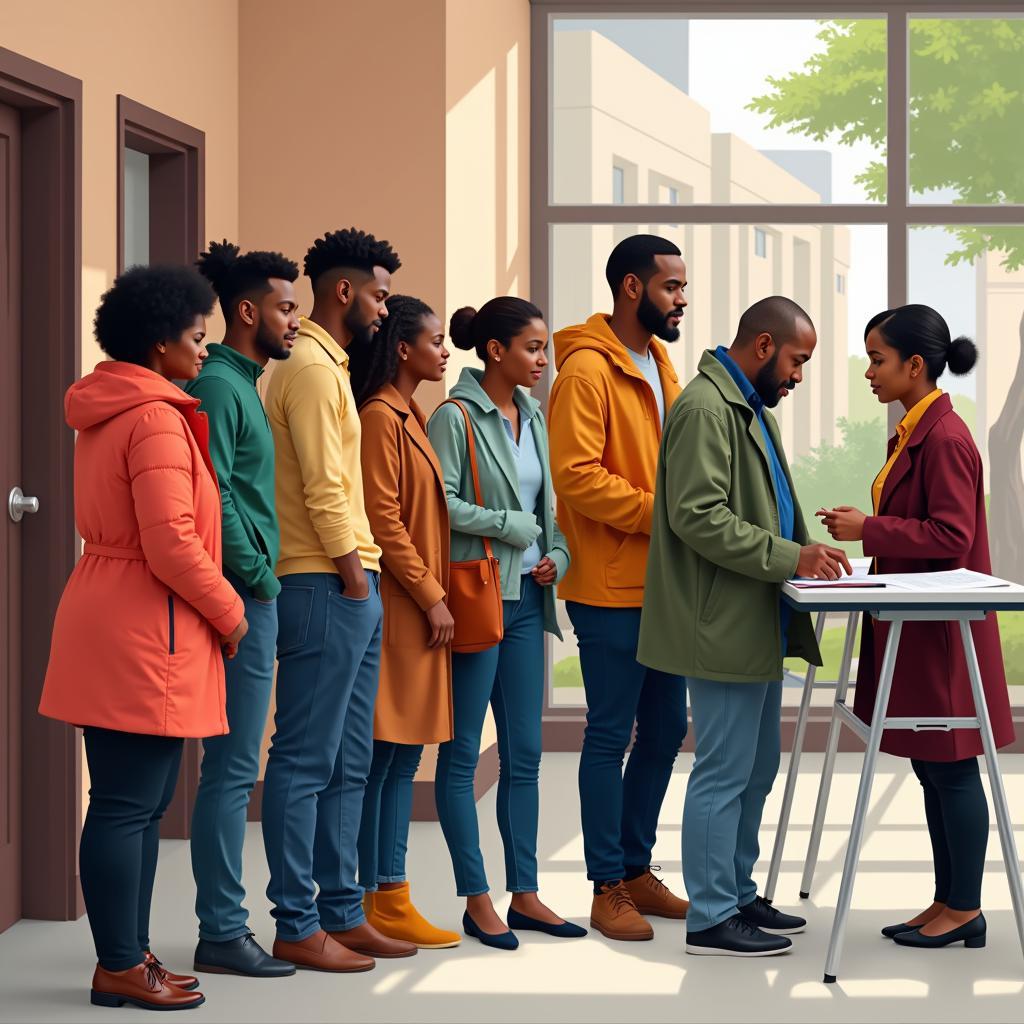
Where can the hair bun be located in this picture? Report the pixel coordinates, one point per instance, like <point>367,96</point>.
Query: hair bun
<point>218,262</point>
<point>962,356</point>
<point>460,328</point>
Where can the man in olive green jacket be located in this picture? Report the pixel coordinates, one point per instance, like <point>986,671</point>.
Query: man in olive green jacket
<point>727,531</point>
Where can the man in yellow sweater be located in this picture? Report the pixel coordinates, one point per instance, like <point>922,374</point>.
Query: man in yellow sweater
<point>614,386</point>
<point>329,614</point>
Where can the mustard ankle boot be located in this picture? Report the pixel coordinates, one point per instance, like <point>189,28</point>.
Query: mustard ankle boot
<point>392,913</point>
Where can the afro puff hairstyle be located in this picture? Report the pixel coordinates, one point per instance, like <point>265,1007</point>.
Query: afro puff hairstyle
<point>147,305</point>
<point>235,277</point>
<point>349,247</point>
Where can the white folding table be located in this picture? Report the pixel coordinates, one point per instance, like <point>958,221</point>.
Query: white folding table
<point>895,607</point>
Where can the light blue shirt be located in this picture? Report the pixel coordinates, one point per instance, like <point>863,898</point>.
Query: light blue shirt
<point>648,366</point>
<point>531,477</point>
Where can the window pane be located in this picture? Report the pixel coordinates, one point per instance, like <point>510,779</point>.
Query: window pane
<point>975,278</point>
<point>967,110</point>
<point>795,114</point>
<point>833,431</point>
<point>136,208</point>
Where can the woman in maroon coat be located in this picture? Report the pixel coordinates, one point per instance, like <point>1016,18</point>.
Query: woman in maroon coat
<point>929,515</point>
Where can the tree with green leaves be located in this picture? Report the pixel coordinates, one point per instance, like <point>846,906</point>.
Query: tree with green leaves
<point>966,126</point>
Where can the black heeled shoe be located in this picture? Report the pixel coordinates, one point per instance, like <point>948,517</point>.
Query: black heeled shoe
<point>972,935</point>
<point>890,931</point>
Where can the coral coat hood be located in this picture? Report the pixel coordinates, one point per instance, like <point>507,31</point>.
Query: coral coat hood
<point>115,387</point>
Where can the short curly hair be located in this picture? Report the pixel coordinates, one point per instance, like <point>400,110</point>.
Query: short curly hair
<point>349,247</point>
<point>236,277</point>
<point>147,305</point>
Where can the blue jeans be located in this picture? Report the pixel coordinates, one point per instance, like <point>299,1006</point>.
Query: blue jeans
<point>619,810</point>
<point>328,651</point>
<point>510,677</point>
<point>231,765</point>
<point>387,809</point>
<point>737,729</point>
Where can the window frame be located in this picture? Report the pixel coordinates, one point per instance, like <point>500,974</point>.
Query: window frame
<point>897,214</point>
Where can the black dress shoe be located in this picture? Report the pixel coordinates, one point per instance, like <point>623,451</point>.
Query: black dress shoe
<point>761,914</point>
<point>243,956</point>
<point>890,931</point>
<point>972,935</point>
<point>735,937</point>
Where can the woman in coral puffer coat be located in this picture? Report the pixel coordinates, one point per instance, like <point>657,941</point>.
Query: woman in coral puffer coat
<point>135,656</point>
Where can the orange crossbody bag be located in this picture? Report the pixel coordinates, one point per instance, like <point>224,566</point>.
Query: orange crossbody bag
<point>474,588</point>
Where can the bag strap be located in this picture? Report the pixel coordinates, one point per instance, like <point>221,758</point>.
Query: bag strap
<point>474,470</point>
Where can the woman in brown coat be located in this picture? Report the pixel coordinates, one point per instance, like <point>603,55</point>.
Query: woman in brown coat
<point>408,513</point>
<point>928,516</point>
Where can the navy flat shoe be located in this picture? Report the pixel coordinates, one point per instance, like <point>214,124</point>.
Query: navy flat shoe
<point>972,935</point>
<point>506,940</point>
<point>890,931</point>
<point>565,930</point>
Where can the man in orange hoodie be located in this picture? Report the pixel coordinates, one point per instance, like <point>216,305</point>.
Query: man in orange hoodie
<point>614,386</point>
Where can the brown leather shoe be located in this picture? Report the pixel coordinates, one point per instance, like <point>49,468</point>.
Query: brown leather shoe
<point>183,981</point>
<point>652,897</point>
<point>367,940</point>
<point>615,916</point>
<point>321,953</point>
<point>143,986</point>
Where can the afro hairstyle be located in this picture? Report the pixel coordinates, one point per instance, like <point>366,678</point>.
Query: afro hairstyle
<point>147,305</point>
<point>349,247</point>
<point>235,277</point>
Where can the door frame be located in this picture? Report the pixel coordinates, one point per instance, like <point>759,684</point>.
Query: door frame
<point>177,225</point>
<point>51,294</point>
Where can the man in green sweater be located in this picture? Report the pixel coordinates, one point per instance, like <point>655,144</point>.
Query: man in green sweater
<point>258,300</point>
<point>727,532</point>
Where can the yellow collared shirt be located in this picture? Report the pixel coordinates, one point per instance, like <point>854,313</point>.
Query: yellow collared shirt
<point>903,430</point>
<point>318,474</point>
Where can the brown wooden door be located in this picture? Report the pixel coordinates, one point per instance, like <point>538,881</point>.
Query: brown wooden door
<point>10,548</point>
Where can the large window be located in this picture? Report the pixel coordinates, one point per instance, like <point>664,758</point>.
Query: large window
<point>887,144</point>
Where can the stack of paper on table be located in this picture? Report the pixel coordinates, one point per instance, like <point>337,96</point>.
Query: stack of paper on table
<point>917,582</point>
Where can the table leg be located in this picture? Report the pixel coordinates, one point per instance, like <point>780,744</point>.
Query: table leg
<point>995,779</point>
<point>831,747</point>
<point>860,813</point>
<point>794,767</point>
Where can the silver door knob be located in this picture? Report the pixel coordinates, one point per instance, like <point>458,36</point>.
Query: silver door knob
<point>19,505</point>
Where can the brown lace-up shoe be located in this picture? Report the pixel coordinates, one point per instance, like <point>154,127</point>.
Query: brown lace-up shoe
<point>652,897</point>
<point>185,981</point>
<point>321,953</point>
<point>143,986</point>
<point>615,916</point>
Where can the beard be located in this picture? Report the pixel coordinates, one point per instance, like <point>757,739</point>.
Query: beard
<point>768,385</point>
<point>272,346</point>
<point>362,334</point>
<point>654,321</point>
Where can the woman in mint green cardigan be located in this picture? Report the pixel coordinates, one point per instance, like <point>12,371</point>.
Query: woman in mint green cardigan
<point>511,338</point>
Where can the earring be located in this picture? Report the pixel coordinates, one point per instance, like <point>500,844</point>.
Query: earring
<point>161,349</point>
<point>405,357</point>
<point>497,359</point>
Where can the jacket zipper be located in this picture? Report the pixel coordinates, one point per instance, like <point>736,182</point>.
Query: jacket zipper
<point>170,623</point>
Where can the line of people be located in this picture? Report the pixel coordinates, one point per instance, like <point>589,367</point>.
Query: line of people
<point>318,528</point>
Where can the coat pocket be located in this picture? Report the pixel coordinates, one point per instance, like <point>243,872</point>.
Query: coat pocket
<point>627,568</point>
<point>170,623</point>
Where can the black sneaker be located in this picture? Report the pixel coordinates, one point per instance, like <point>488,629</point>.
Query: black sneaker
<point>761,914</point>
<point>735,937</point>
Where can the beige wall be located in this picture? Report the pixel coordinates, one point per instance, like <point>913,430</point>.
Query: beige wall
<point>150,52</point>
<point>487,155</point>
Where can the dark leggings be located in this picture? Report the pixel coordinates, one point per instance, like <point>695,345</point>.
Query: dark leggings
<point>132,780</point>
<point>957,813</point>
